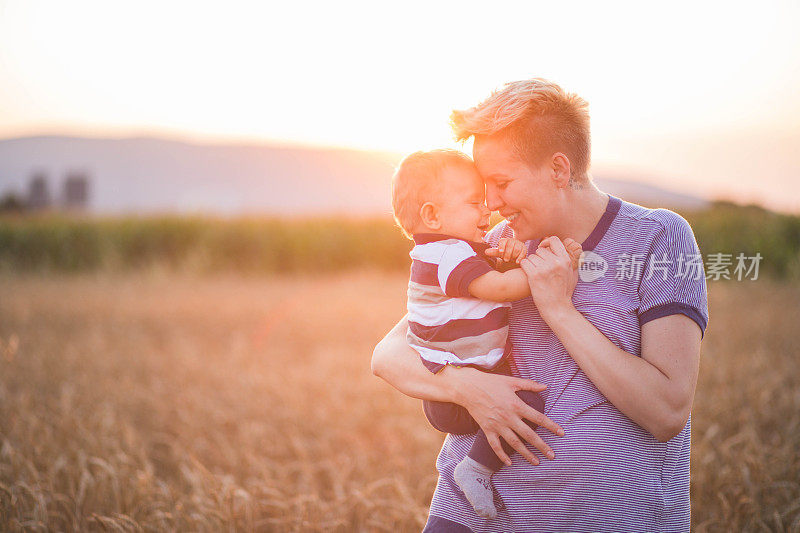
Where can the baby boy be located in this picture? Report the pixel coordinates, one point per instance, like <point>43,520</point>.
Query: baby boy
<point>458,295</point>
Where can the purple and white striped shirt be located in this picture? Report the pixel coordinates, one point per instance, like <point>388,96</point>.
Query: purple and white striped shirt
<point>446,325</point>
<point>609,474</point>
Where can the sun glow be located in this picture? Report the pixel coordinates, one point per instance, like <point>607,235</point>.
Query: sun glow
<point>373,76</point>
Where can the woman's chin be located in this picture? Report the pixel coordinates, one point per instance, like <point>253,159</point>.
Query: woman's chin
<point>516,227</point>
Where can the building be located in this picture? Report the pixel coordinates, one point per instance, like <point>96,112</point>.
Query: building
<point>38,192</point>
<point>76,191</point>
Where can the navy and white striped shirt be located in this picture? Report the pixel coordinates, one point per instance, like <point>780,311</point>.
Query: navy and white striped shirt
<point>609,474</point>
<point>446,324</point>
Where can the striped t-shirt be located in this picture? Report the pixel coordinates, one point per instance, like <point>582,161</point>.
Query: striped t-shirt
<point>445,324</point>
<point>609,474</point>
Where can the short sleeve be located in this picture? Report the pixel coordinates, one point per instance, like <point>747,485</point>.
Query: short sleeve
<point>458,267</point>
<point>501,231</point>
<point>673,279</point>
<point>498,232</point>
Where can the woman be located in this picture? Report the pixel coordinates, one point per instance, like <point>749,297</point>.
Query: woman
<point>619,356</point>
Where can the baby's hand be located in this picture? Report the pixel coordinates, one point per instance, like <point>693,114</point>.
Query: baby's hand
<point>509,250</point>
<point>574,250</point>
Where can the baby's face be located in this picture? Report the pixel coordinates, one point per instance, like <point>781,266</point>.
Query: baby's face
<point>462,205</point>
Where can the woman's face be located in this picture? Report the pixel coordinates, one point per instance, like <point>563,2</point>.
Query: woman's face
<point>527,197</point>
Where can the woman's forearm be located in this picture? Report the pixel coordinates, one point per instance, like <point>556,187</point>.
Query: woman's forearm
<point>394,361</point>
<point>658,399</point>
<point>490,399</point>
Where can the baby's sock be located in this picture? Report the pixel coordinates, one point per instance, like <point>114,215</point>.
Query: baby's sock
<point>476,481</point>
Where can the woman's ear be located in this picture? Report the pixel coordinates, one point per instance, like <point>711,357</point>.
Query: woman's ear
<point>561,170</point>
<point>429,213</point>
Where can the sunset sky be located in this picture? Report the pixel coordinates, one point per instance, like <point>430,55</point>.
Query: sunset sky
<point>701,98</point>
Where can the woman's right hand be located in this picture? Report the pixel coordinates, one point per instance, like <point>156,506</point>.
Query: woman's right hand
<point>492,401</point>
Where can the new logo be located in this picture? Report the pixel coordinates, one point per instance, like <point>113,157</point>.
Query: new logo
<point>592,267</point>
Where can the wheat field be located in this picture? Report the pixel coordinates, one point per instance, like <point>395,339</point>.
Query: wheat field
<point>154,401</point>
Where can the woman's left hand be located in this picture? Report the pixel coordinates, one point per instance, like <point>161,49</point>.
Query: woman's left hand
<point>551,276</point>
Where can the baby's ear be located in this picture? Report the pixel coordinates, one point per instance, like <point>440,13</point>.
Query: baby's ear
<point>429,214</point>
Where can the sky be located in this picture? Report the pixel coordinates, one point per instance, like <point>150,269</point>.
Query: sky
<point>696,97</point>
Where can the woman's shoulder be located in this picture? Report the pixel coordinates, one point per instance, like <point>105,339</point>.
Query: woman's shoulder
<point>654,221</point>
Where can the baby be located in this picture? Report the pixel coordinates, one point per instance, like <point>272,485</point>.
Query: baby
<point>458,294</point>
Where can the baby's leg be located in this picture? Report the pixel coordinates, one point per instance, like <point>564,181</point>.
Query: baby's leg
<point>472,477</point>
<point>483,453</point>
<point>449,417</point>
<point>473,474</point>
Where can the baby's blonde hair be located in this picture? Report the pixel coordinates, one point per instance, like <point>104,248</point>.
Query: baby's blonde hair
<point>418,180</point>
<point>539,119</point>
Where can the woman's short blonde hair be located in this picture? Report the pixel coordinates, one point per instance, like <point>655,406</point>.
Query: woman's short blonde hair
<point>538,117</point>
<point>418,180</point>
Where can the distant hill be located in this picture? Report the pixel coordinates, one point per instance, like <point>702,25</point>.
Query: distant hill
<point>648,195</point>
<point>148,175</point>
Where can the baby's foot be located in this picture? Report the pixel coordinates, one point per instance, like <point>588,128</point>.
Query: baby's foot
<point>574,250</point>
<point>475,480</point>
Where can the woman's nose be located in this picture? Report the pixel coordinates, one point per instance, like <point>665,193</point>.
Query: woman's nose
<point>493,202</point>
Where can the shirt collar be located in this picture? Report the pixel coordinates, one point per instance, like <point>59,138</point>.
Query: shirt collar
<point>425,238</point>
<point>599,231</point>
<point>479,247</point>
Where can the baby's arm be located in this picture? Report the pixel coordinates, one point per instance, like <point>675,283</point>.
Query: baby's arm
<point>501,286</point>
<point>512,285</point>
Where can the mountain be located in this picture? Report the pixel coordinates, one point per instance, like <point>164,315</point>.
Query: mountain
<point>149,175</point>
